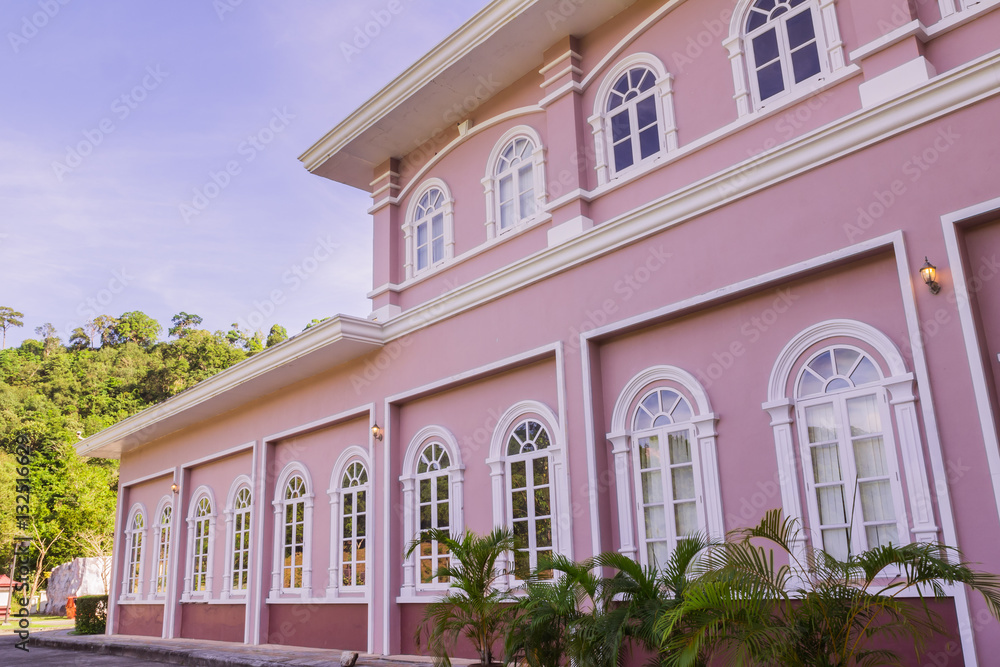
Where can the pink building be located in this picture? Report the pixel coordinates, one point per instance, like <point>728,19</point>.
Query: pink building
<point>641,268</point>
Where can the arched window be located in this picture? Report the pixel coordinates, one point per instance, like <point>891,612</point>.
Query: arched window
<point>841,389</point>
<point>428,231</point>
<point>201,540</point>
<point>238,508</point>
<point>514,182</point>
<point>634,119</point>
<point>135,535</point>
<point>293,545</point>
<point>663,434</point>
<point>848,452</point>
<point>782,45</point>
<point>432,479</point>
<point>529,499</point>
<point>354,525</point>
<point>161,535</point>
<point>291,571</point>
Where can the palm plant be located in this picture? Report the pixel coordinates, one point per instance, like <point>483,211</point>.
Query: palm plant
<point>751,608</point>
<point>556,616</point>
<point>474,607</point>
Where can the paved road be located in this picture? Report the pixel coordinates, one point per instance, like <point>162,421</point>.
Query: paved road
<point>38,656</point>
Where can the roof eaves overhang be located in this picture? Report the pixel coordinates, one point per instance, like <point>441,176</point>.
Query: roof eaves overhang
<point>496,47</point>
<point>329,344</point>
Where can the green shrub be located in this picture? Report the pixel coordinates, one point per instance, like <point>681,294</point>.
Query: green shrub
<point>91,614</point>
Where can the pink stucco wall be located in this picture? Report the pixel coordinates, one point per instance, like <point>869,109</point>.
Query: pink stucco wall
<point>464,371</point>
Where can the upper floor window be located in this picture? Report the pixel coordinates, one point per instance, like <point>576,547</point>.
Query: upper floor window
<point>634,121</point>
<point>514,181</point>
<point>428,231</point>
<point>781,45</point>
<point>162,537</point>
<point>136,533</point>
<point>238,517</point>
<point>354,525</point>
<point>853,492</point>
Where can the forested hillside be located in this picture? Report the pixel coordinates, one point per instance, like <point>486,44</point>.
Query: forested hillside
<point>54,394</point>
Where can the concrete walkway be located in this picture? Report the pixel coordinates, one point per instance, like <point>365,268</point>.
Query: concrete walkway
<point>202,653</point>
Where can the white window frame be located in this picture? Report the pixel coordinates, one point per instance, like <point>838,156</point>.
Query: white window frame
<point>135,545</point>
<point>335,586</point>
<point>499,463</point>
<point>491,182</point>
<point>903,428</point>
<point>828,42</point>
<point>409,481</point>
<point>202,492</point>
<point>625,452</point>
<point>239,484</point>
<point>278,590</point>
<point>162,534</point>
<point>858,542</point>
<point>600,121</point>
<point>410,229</point>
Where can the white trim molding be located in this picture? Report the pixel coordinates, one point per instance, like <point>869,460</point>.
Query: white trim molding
<point>489,181</point>
<point>241,482</point>
<point>278,591</point>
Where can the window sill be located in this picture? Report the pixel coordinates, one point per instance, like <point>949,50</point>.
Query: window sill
<point>361,599</point>
<point>132,600</point>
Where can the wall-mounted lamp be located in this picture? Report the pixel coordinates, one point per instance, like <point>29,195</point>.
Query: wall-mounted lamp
<point>377,432</point>
<point>929,273</point>
<point>173,488</point>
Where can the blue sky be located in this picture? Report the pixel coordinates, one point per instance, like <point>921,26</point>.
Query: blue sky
<point>148,155</point>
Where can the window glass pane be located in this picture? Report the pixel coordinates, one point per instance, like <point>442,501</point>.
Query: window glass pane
<point>823,365</point>
<point>683,482</point>
<point>649,142</point>
<point>623,155</point>
<point>837,384</point>
<point>442,487</point>
<point>876,501</point>
<point>805,62</point>
<point>800,29</point>
<point>652,487</point>
<point>686,517</point>
<point>645,110</point>
<point>810,385</point>
<point>422,257</point>
<point>649,452</point>
<point>765,47</point>
<point>422,234</point>
<point>770,80</point>
<point>862,414</point>
<point>881,535</point>
<point>437,226</point>
<point>620,126</point>
<point>518,477</point>
<point>658,552</point>
<point>820,423</point>
<point>542,507</point>
<point>865,373</point>
<point>522,564</point>
<point>521,534</point>
<point>835,542</point>
<point>519,504</point>
<point>541,469</point>
<point>845,360</point>
<point>831,505</point>
<point>438,253</point>
<point>442,515</point>
<point>543,533</point>
<point>826,464</point>
<point>656,522</point>
<point>869,456</point>
<point>680,448</point>
<point>506,215</point>
<point>682,412</point>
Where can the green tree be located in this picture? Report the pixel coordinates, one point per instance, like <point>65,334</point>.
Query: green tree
<point>314,322</point>
<point>754,603</point>
<point>9,318</point>
<point>136,327</point>
<point>277,334</point>
<point>50,339</point>
<point>104,329</point>
<point>184,323</point>
<point>473,607</point>
<point>79,339</point>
